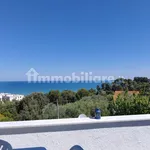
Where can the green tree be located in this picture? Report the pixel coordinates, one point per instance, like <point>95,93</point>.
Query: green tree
<point>92,92</point>
<point>98,88</point>
<point>49,111</point>
<point>30,108</point>
<point>82,93</point>
<point>9,109</point>
<point>107,87</point>
<point>86,106</point>
<point>68,96</point>
<point>54,96</point>
<point>127,104</point>
<point>4,118</point>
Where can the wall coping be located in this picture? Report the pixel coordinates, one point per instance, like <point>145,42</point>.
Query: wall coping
<point>34,126</point>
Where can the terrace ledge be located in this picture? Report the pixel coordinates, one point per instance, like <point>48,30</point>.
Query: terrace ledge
<point>54,125</point>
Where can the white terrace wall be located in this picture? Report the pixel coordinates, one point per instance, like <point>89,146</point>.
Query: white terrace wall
<point>109,133</point>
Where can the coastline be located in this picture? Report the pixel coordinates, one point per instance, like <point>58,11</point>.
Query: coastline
<point>25,88</point>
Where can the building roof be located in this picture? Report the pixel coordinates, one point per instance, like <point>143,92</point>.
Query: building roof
<point>117,93</point>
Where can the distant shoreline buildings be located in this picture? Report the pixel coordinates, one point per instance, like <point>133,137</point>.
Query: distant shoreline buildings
<point>10,97</point>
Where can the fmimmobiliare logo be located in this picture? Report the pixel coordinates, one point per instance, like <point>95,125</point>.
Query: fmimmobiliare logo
<point>84,77</point>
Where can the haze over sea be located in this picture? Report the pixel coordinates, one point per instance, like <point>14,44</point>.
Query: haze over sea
<point>25,88</point>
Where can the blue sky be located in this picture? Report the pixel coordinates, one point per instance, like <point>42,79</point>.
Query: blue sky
<point>107,37</point>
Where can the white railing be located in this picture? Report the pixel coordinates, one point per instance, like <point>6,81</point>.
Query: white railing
<point>109,133</point>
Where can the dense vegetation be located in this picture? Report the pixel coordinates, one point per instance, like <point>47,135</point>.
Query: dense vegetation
<point>72,104</point>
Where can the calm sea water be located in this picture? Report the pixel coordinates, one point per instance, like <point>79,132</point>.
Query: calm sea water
<point>26,88</point>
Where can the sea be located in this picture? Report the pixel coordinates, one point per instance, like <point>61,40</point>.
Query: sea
<point>25,88</point>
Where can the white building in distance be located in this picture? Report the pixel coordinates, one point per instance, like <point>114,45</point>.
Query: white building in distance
<point>10,97</point>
